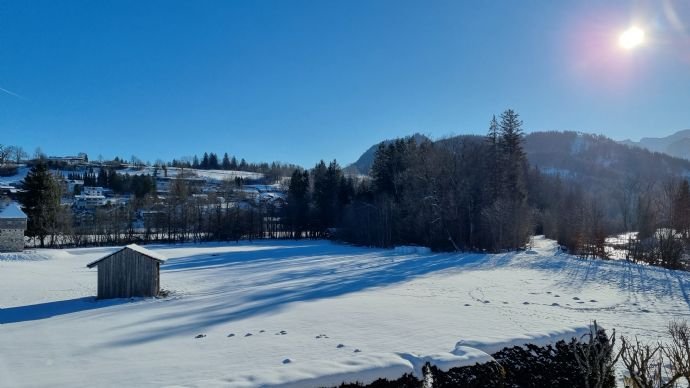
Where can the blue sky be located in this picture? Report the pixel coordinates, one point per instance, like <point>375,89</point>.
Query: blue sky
<point>298,81</point>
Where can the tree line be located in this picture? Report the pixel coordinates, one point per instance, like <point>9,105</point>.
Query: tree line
<point>211,161</point>
<point>469,193</point>
<point>481,194</point>
<point>139,185</point>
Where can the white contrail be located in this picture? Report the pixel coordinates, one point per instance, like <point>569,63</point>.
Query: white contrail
<point>11,93</point>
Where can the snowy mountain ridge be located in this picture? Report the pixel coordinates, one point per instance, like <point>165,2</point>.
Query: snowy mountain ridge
<point>676,144</point>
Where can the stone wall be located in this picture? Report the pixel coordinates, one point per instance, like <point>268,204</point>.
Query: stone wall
<point>12,235</point>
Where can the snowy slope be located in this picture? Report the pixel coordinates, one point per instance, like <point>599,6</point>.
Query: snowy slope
<point>22,171</point>
<point>215,175</point>
<point>398,310</point>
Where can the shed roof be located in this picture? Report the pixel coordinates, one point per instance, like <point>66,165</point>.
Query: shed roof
<point>11,210</point>
<point>134,247</point>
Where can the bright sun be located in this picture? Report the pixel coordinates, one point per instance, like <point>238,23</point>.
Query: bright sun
<point>631,38</point>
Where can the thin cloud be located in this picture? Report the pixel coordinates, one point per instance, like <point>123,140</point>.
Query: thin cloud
<point>11,93</point>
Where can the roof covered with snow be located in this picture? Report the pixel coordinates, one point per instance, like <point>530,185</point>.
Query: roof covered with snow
<point>134,247</point>
<point>11,210</point>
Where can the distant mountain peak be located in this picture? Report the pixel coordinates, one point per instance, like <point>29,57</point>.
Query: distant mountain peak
<point>677,144</point>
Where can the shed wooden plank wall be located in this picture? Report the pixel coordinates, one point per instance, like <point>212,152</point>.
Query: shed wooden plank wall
<point>12,234</point>
<point>128,274</point>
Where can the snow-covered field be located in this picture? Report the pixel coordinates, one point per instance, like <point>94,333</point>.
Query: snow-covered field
<point>215,175</point>
<point>22,171</point>
<point>306,313</point>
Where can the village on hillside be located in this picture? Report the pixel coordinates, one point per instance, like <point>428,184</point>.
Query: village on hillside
<point>116,198</point>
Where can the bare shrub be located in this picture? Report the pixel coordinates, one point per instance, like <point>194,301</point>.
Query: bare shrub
<point>649,366</point>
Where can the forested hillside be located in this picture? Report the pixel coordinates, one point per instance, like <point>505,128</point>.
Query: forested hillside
<point>575,154</point>
<point>491,192</point>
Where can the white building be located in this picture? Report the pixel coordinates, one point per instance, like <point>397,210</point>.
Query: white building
<point>69,160</point>
<point>92,190</point>
<point>89,198</point>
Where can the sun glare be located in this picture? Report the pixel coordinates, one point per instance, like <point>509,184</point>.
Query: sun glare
<point>631,38</point>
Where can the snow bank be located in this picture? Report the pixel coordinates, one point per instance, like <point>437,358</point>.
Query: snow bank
<point>364,368</point>
<point>368,368</point>
<point>540,339</point>
<point>459,357</point>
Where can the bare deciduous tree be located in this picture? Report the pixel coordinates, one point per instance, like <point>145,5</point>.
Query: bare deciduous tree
<point>678,351</point>
<point>651,366</point>
<point>5,153</point>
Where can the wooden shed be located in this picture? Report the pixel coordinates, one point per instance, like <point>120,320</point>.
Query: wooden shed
<point>12,227</point>
<point>129,272</point>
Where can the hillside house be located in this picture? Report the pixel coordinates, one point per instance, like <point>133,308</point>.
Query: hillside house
<point>132,271</point>
<point>72,184</point>
<point>90,198</point>
<point>12,227</point>
<point>68,160</point>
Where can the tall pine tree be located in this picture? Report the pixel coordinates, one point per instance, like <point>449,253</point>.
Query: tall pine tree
<point>226,162</point>
<point>513,156</point>
<point>514,166</point>
<point>204,162</point>
<point>40,200</point>
<point>493,161</point>
<point>213,161</point>
<point>298,203</point>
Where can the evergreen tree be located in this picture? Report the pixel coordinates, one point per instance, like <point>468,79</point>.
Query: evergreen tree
<point>346,191</point>
<point>41,202</point>
<point>335,197</point>
<point>195,162</point>
<point>226,162</point>
<point>514,159</point>
<point>204,162</point>
<point>390,163</point>
<point>298,203</point>
<point>381,171</point>
<point>680,209</point>
<point>319,196</point>
<point>213,161</point>
<point>493,161</point>
<point>327,195</point>
<point>116,182</point>
<point>102,178</point>
<point>233,163</point>
<point>514,166</point>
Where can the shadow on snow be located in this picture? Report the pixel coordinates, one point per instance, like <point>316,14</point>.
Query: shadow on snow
<point>265,281</point>
<point>50,309</point>
<point>272,275</point>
